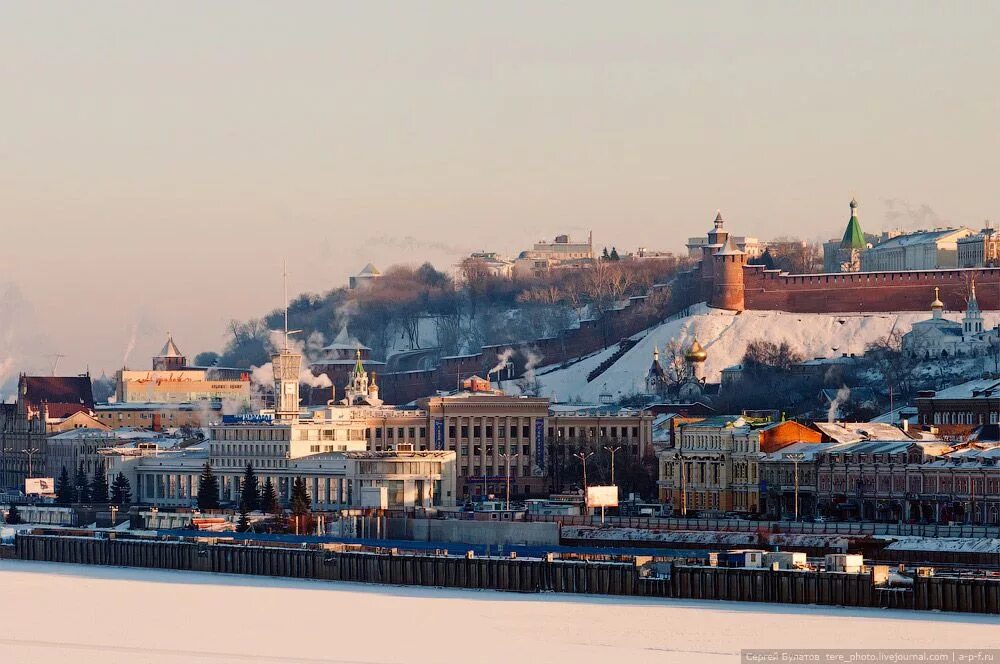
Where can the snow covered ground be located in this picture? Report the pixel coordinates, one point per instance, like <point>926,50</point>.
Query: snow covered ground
<point>61,613</point>
<point>725,336</point>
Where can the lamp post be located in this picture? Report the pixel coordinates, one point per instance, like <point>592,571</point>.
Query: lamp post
<point>114,516</point>
<point>30,452</point>
<point>612,450</point>
<point>583,456</point>
<point>795,458</point>
<point>507,459</point>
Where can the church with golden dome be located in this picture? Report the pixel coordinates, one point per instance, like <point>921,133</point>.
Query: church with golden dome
<point>684,376</point>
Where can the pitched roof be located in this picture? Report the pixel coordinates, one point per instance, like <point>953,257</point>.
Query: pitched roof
<point>730,249</point>
<point>170,348</point>
<point>369,270</point>
<point>854,238</point>
<point>58,389</point>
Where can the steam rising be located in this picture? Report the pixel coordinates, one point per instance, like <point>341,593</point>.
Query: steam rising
<point>309,349</point>
<point>843,394</point>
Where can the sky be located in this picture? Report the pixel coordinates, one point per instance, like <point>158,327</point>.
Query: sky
<point>158,160</point>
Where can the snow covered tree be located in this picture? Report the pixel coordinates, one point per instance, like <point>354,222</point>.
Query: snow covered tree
<point>99,487</point>
<point>65,491</point>
<point>121,490</point>
<point>249,494</point>
<point>208,489</point>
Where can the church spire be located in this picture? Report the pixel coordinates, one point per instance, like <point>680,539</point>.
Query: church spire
<point>854,237</point>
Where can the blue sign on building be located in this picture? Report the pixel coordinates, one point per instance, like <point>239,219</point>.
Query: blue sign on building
<point>540,442</point>
<point>439,434</point>
<point>247,418</point>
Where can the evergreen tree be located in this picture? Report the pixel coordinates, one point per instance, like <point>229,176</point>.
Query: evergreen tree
<point>614,254</point>
<point>13,516</point>
<point>268,497</point>
<point>604,254</point>
<point>121,490</point>
<point>99,487</point>
<point>249,492</point>
<point>65,491</point>
<point>243,525</point>
<point>81,485</point>
<point>300,502</point>
<point>208,489</point>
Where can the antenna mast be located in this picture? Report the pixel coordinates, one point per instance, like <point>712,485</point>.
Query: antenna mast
<point>284,283</point>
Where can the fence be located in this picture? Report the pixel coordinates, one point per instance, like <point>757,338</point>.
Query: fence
<point>519,575</point>
<point>795,527</point>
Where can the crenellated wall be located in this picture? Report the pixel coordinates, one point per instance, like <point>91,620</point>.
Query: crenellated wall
<point>867,291</point>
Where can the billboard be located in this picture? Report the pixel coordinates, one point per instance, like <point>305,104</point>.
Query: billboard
<point>40,486</point>
<point>439,434</point>
<point>602,496</point>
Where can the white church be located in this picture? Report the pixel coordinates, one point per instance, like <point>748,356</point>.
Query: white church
<point>938,337</point>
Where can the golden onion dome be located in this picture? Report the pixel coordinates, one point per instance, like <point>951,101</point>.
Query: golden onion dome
<point>937,303</point>
<point>695,353</point>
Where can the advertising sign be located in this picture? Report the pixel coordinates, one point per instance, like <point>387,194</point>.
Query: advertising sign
<point>39,486</point>
<point>439,434</point>
<point>540,442</point>
<point>247,418</point>
<point>602,496</point>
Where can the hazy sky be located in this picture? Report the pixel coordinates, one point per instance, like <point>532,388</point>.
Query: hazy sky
<point>157,159</point>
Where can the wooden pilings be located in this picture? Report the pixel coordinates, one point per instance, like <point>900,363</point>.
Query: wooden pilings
<point>518,574</point>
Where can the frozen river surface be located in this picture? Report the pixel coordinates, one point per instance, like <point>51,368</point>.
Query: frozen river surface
<point>70,613</point>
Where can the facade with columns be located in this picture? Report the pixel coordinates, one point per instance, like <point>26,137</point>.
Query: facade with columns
<point>939,337</point>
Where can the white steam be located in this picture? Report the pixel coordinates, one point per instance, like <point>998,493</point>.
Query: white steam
<point>843,394</point>
<point>309,349</point>
<point>503,359</point>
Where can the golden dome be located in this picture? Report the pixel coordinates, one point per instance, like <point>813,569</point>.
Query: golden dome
<point>937,303</point>
<point>695,353</point>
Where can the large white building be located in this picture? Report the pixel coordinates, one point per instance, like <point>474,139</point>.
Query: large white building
<point>923,250</point>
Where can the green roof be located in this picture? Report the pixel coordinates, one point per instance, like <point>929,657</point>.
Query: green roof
<point>853,237</point>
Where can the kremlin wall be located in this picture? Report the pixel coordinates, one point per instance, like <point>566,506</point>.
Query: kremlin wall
<point>724,280</point>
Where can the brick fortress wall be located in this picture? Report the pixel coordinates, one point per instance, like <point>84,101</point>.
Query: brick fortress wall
<point>865,291</point>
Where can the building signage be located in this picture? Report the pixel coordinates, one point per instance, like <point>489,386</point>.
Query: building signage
<point>602,496</point>
<point>247,418</point>
<point>540,442</point>
<point>439,434</point>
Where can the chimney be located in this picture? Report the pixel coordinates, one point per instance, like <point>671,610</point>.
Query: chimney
<point>904,424</point>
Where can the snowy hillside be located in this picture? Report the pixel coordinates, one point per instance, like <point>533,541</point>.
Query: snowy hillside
<point>725,335</point>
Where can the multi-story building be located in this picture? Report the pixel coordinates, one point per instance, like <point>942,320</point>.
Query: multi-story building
<point>923,250</point>
<point>955,411</point>
<point>171,380</point>
<point>939,337</point>
<point>544,256</point>
<point>44,405</point>
<point>980,250</point>
<point>714,465</point>
<point>158,416</point>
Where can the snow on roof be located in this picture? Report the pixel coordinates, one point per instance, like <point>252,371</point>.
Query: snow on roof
<point>849,432</point>
<point>981,388</point>
<point>920,237</point>
<point>170,348</point>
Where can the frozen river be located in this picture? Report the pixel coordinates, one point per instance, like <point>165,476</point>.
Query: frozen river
<point>79,614</point>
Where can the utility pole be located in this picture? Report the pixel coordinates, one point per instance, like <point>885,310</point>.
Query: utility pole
<point>30,452</point>
<point>507,459</point>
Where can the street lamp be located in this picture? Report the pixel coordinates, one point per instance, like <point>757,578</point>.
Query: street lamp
<point>795,458</point>
<point>612,451</point>
<point>114,516</point>
<point>507,459</point>
<point>30,452</point>
<point>583,456</point>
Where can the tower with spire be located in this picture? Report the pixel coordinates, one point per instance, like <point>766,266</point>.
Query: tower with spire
<point>972,322</point>
<point>170,357</point>
<point>287,364</point>
<point>360,391</point>
<point>852,244</point>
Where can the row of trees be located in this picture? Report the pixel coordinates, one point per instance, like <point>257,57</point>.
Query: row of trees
<point>95,490</point>
<point>254,496</point>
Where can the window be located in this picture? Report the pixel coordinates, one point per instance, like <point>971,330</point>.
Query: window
<point>489,431</point>
<point>465,431</point>
<point>525,431</point>
<point>476,431</point>
<point>451,431</point>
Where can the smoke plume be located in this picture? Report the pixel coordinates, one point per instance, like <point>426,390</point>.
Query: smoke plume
<point>843,394</point>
